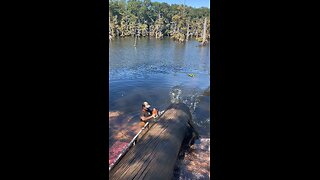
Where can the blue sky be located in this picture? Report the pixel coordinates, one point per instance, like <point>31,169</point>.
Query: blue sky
<point>192,3</point>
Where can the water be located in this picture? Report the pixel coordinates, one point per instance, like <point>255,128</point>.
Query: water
<point>156,71</point>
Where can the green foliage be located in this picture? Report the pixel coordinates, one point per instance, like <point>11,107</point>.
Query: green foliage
<point>154,19</point>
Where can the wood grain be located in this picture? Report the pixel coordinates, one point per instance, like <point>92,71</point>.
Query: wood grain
<point>155,154</point>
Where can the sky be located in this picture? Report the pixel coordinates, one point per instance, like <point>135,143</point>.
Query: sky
<point>192,3</point>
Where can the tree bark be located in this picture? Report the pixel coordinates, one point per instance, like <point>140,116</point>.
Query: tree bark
<point>110,29</point>
<point>204,32</point>
<point>187,38</point>
<point>155,154</point>
<point>109,22</point>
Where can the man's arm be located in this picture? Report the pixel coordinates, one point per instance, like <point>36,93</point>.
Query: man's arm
<point>146,118</point>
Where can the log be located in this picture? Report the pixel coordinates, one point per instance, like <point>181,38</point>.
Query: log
<point>155,154</point>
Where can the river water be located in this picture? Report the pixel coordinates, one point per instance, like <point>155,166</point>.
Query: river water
<point>160,72</point>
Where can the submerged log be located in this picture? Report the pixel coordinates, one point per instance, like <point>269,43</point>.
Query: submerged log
<point>155,154</point>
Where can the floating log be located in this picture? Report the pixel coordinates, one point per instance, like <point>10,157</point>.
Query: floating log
<point>155,154</point>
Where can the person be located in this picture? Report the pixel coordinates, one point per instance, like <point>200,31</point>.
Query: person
<point>146,114</point>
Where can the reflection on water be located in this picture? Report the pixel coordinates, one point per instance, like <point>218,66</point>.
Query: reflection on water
<point>156,71</point>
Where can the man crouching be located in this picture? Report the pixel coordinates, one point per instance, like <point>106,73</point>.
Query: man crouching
<point>146,114</point>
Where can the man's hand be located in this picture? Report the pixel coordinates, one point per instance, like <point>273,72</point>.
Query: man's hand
<point>154,112</point>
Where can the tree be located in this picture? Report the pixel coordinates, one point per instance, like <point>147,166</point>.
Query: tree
<point>141,18</point>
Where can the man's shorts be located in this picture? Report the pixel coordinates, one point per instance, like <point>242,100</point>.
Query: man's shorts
<point>141,124</point>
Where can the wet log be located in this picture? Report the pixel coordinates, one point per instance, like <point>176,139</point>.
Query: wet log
<point>155,154</point>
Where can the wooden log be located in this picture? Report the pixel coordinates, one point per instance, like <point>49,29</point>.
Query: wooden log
<point>155,154</point>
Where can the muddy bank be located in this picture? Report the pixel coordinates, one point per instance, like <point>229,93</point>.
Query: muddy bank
<point>194,162</point>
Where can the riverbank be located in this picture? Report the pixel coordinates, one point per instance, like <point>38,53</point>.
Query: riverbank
<point>194,162</point>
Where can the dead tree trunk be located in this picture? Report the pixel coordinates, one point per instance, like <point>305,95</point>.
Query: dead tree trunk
<point>110,30</point>
<point>188,32</point>
<point>204,32</point>
<point>155,154</point>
